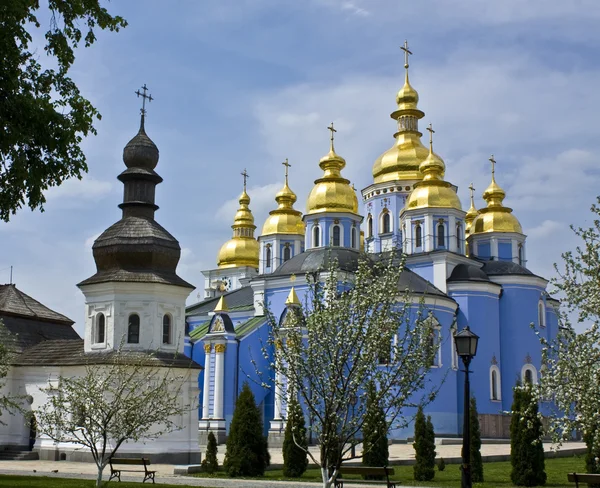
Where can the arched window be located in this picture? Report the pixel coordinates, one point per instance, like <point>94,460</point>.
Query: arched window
<point>353,238</point>
<point>441,238</point>
<point>529,374</point>
<point>494,383</point>
<point>100,328</point>
<point>336,235</point>
<point>541,314</point>
<point>520,251</point>
<point>369,226</point>
<point>133,330</point>
<point>316,236</point>
<point>166,329</point>
<point>287,252</point>
<point>385,223</point>
<point>528,377</point>
<point>268,257</point>
<point>458,235</point>
<point>418,236</point>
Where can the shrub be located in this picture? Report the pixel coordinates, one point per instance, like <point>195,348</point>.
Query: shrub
<point>476,462</point>
<point>247,452</point>
<point>424,445</point>
<point>592,465</point>
<point>441,465</point>
<point>375,429</point>
<point>295,444</point>
<point>210,463</point>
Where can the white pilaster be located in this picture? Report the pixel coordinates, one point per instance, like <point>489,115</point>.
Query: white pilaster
<point>219,378</point>
<point>206,390</point>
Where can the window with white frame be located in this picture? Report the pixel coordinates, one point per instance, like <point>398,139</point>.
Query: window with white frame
<point>369,226</point>
<point>100,331</point>
<point>133,329</point>
<point>541,314</point>
<point>287,252</point>
<point>441,234</point>
<point>386,222</point>
<point>268,256</point>
<point>336,240</point>
<point>453,353</point>
<point>495,392</point>
<point>434,340</point>
<point>458,236</point>
<point>529,374</point>
<point>316,236</point>
<point>167,329</point>
<point>418,235</point>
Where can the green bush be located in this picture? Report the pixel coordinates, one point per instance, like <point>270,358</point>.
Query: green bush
<point>592,465</point>
<point>295,460</point>
<point>476,462</point>
<point>441,465</point>
<point>526,449</point>
<point>210,463</point>
<point>375,430</point>
<point>424,445</point>
<point>247,452</point>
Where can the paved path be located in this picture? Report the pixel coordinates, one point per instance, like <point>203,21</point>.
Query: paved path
<point>399,453</point>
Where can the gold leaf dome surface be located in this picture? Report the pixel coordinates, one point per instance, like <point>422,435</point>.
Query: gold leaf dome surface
<point>332,192</point>
<point>284,219</point>
<point>242,249</point>
<point>495,217</point>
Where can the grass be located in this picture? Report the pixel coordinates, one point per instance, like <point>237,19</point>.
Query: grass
<point>495,474</point>
<point>52,482</point>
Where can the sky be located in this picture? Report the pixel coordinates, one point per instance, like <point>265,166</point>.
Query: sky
<point>245,84</point>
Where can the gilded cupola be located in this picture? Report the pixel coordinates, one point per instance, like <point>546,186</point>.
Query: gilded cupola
<point>285,219</point>
<point>332,192</point>
<point>472,213</point>
<point>242,248</point>
<point>433,191</point>
<point>495,217</point>
<point>402,160</point>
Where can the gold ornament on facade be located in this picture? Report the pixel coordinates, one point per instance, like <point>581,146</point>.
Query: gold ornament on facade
<point>402,160</point>
<point>207,348</point>
<point>242,249</point>
<point>220,348</point>
<point>332,192</point>
<point>495,217</point>
<point>433,191</point>
<point>284,219</point>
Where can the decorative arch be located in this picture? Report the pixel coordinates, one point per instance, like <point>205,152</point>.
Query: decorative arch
<point>100,330</point>
<point>133,329</point>
<point>336,235</point>
<point>287,252</point>
<point>495,383</point>
<point>369,225</point>
<point>529,374</point>
<point>167,329</point>
<point>385,222</point>
<point>316,236</point>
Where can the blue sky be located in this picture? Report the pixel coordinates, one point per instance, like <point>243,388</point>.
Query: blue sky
<point>247,83</point>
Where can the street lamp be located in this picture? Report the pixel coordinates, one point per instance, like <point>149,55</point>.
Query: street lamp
<point>466,348</point>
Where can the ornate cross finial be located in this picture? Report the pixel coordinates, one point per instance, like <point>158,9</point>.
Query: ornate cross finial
<point>144,98</point>
<point>431,132</point>
<point>493,161</point>
<point>407,52</point>
<point>245,175</point>
<point>333,131</point>
<point>287,167</point>
<point>471,189</point>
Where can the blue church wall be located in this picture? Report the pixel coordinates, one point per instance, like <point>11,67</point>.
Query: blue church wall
<point>483,249</point>
<point>424,270</point>
<point>394,202</point>
<point>326,224</point>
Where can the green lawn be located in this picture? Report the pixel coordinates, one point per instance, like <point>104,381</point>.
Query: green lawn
<point>496,474</point>
<point>47,482</point>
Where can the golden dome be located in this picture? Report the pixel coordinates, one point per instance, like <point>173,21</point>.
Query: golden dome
<point>495,217</point>
<point>284,219</point>
<point>472,212</point>
<point>242,248</point>
<point>433,191</point>
<point>332,192</point>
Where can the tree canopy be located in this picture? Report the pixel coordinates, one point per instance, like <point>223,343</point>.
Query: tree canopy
<point>44,115</point>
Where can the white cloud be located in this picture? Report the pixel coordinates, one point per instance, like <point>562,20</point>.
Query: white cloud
<point>75,191</point>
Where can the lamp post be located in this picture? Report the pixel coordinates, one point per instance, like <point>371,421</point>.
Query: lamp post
<point>466,348</point>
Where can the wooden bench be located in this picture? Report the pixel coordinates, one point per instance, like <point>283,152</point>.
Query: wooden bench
<point>592,479</point>
<point>364,471</point>
<point>116,472</point>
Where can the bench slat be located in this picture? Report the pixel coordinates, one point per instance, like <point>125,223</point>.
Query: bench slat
<point>583,477</point>
<point>366,470</point>
<point>138,462</point>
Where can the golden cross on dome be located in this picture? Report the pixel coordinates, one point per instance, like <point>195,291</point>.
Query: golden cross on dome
<point>407,52</point>
<point>245,175</point>
<point>333,131</point>
<point>144,98</point>
<point>287,167</point>
<point>431,132</point>
<point>471,189</point>
<point>493,161</point>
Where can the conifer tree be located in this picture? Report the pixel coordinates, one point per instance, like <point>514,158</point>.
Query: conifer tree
<point>295,444</point>
<point>526,449</point>
<point>424,445</point>
<point>476,462</point>
<point>375,429</point>
<point>592,465</point>
<point>210,462</point>
<point>246,451</point>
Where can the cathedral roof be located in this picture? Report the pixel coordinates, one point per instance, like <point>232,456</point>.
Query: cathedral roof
<point>240,299</point>
<point>494,268</point>
<point>16,303</point>
<point>468,272</point>
<point>71,353</point>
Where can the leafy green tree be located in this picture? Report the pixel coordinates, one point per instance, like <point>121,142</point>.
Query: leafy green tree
<point>526,449</point>
<point>247,452</point>
<point>375,429</point>
<point>424,445</point>
<point>210,462</point>
<point>295,443</point>
<point>476,461</point>
<point>44,116</point>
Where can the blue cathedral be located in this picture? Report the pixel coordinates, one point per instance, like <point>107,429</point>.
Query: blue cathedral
<point>468,267</point>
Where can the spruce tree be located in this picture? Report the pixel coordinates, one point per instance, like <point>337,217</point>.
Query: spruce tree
<point>210,462</point>
<point>247,452</point>
<point>375,429</point>
<point>591,457</point>
<point>476,462</point>
<point>424,445</point>
<point>526,451</point>
<point>295,444</point>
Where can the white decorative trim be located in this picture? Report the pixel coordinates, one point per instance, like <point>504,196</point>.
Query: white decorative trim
<point>534,375</point>
<point>496,369</point>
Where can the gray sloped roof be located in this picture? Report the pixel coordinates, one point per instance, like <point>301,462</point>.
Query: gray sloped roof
<point>468,272</point>
<point>19,333</point>
<point>14,302</point>
<point>492,268</point>
<point>71,353</point>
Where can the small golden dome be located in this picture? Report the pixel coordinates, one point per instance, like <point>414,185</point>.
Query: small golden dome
<point>332,192</point>
<point>495,217</point>
<point>433,191</point>
<point>407,97</point>
<point>472,213</point>
<point>284,219</point>
<point>242,249</point>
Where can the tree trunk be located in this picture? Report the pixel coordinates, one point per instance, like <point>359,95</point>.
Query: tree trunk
<point>99,477</point>
<point>327,481</point>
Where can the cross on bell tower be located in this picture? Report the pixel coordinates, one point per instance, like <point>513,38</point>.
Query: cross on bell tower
<point>246,176</point>
<point>333,131</point>
<point>144,98</point>
<point>407,52</point>
<point>287,167</point>
<point>493,161</point>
